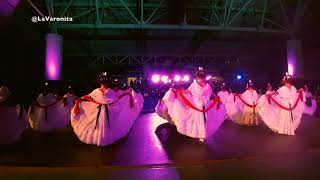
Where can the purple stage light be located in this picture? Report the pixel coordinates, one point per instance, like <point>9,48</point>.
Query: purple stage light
<point>177,78</point>
<point>290,69</point>
<point>295,58</point>
<point>53,56</point>
<point>155,78</point>
<point>186,78</point>
<point>165,79</point>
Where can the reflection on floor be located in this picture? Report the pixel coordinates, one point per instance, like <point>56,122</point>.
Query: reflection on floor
<point>154,149</point>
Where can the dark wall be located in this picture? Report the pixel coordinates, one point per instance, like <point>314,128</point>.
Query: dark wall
<point>22,50</point>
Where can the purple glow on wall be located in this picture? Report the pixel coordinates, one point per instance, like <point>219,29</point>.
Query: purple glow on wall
<point>294,58</point>
<point>290,69</point>
<point>53,56</point>
<point>7,7</point>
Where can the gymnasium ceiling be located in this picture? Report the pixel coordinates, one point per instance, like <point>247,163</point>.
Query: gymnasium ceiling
<point>236,28</point>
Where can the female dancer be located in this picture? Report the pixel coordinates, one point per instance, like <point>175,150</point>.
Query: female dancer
<point>282,110</point>
<point>48,112</point>
<point>105,116</point>
<point>241,108</point>
<point>223,93</point>
<point>192,111</point>
<point>269,89</point>
<point>311,103</point>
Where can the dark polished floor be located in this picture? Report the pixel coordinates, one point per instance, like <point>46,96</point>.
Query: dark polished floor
<point>154,150</point>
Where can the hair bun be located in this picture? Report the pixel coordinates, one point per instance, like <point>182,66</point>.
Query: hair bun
<point>103,78</point>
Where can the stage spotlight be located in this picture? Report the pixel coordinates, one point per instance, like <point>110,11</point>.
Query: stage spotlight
<point>186,78</point>
<point>155,78</point>
<point>177,78</point>
<point>165,79</point>
<point>239,77</point>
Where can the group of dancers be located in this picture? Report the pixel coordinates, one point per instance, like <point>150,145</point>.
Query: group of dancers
<point>107,114</point>
<point>99,118</point>
<point>198,113</point>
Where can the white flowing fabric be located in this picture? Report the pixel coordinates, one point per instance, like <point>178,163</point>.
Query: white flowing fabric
<point>12,123</point>
<point>190,122</point>
<point>310,110</point>
<point>57,115</point>
<point>223,96</point>
<point>100,131</point>
<point>164,104</point>
<point>280,120</point>
<point>13,120</point>
<point>71,98</point>
<point>240,113</point>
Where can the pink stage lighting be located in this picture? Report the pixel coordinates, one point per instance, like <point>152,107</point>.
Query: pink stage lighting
<point>165,79</point>
<point>177,78</point>
<point>186,78</point>
<point>290,69</point>
<point>155,78</point>
<point>53,56</point>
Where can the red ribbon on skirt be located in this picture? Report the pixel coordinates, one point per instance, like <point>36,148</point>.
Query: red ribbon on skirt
<point>189,104</point>
<point>90,99</point>
<point>300,97</point>
<point>244,101</point>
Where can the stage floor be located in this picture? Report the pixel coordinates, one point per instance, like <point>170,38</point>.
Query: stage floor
<point>154,150</point>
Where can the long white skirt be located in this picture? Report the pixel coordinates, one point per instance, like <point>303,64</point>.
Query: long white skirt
<point>50,118</point>
<point>12,123</point>
<point>101,131</point>
<point>167,102</point>
<point>240,113</point>
<point>188,121</point>
<point>277,119</point>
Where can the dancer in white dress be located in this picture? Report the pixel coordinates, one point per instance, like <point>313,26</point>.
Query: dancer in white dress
<point>223,93</point>
<point>48,112</point>
<point>311,103</point>
<point>269,89</point>
<point>241,108</point>
<point>192,111</point>
<point>13,118</point>
<point>282,111</point>
<point>105,116</point>
<point>69,98</point>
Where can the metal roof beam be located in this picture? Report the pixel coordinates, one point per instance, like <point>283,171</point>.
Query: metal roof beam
<point>168,27</point>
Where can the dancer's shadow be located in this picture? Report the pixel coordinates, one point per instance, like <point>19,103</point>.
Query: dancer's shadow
<point>181,148</point>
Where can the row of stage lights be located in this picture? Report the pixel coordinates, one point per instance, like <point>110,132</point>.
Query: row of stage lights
<point>157,78</point>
